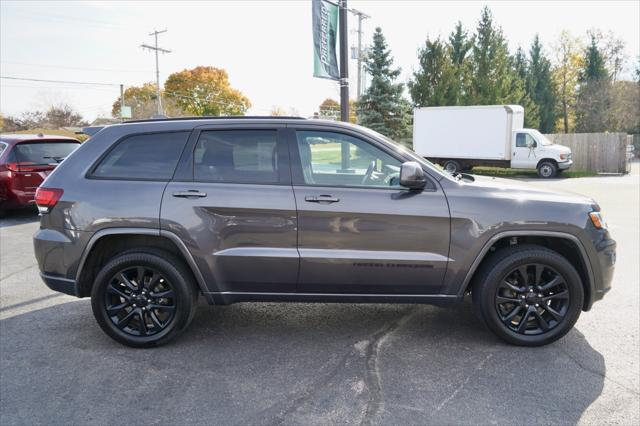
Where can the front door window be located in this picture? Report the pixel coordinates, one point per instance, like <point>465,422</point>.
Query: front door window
<point>335,159</point>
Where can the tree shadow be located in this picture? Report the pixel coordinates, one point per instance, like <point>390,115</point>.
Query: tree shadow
<point>257,363</point>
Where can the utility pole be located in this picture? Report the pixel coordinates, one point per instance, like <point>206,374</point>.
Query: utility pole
<point>344,63</point>
<point>361,17</point>
<point>161,50</point>
<point>121,102</point>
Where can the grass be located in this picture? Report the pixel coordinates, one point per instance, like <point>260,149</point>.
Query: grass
<point>499,172</point>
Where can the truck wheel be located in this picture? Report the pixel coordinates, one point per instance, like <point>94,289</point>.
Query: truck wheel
<point>452,167</point>
<point>528,295</point>
<point>144,298</point>
<point>547,169</point>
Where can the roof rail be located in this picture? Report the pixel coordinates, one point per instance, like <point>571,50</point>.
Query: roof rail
<point>218,117</point>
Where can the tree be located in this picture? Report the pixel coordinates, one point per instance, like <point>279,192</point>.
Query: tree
<point>63,115</point>
<point>594,67</point>
<point>540,88</point>
<point>205,91</point>
<point>277,111</point>
<point>329,109</point>
<point>490,80</point>
<point>434,84</point>
<point>382,107</point>
<point>142,100</point>
<point>460,47</point>
<point>624,113</point>
<point>565,75</point>
<point>594,95</point>
<point>519,94</point>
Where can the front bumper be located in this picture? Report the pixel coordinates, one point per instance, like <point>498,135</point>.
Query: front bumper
<point>606,253</point>
<point>564,165</point>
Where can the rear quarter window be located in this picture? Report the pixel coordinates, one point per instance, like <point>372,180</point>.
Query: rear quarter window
<point>143,157</point>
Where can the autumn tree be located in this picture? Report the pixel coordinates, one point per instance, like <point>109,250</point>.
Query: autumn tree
<point>565,75</point>
<point>382,106</point>
<point>142,100</point>
<point>205,91</point>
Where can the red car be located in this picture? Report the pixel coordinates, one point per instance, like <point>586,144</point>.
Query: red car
<point>25,161</point>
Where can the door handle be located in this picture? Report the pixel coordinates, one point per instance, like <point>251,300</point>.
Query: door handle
<point>189,194</point>
<point>321,199</point>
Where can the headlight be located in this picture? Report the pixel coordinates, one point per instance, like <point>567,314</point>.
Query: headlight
<point>564,156</point>
<point>598,220</point>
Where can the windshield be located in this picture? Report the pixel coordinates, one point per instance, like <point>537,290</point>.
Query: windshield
<point>41,153</point>
<point>542,139</point>
<point>407,151</point>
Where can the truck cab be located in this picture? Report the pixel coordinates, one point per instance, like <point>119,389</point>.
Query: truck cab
<point>532,150</point>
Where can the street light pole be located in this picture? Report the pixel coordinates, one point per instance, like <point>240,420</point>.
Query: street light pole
<point>361,17</point>
<point>344,63</point>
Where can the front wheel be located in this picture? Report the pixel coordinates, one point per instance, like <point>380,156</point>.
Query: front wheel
<point>143,299</point>
<point>528,295</point>
<point>547,169</point>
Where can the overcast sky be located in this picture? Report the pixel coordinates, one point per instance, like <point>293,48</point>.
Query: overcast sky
<point>265,46</point>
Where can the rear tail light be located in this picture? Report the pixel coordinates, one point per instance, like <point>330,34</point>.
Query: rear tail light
<point>46,198</point>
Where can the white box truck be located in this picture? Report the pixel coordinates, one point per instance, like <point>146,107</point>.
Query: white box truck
<point>461,137</point>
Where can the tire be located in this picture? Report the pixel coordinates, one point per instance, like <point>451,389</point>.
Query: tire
<point>166,300</point>
<point>452,166</point>
<point>496,301</point>
<point>547,169</point>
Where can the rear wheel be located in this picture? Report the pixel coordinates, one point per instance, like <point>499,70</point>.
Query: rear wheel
<point>547,169</point>
<point>452,166</point>
<point>144,299</point>
<point>528,295</point>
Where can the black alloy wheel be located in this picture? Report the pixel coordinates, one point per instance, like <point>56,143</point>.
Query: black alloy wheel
<point>144,298</point>
<point>528,295</point>
<point>140,301</point>
<point>532,299</point>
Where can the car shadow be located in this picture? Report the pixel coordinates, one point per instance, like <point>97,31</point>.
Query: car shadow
<point>19,217</point>
<point>258,363</point>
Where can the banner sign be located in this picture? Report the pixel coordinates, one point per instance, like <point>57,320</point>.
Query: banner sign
<point>325,35</point>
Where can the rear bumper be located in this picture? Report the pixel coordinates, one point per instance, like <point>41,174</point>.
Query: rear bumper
<point>59,284</point>
<point>564,165</point>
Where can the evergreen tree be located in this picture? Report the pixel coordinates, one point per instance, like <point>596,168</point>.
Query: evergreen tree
<point>382,107</point>
<point>539,86</point>
<point>434,82</point>
<point>519,95</point>
<point>593,106</point>
<point>594,68</point>
<point>460,47</point>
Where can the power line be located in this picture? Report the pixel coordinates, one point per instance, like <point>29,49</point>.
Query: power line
<point>71,68</point>
<point>58,81</point>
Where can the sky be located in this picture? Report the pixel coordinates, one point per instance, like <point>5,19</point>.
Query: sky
<point>266,46</point>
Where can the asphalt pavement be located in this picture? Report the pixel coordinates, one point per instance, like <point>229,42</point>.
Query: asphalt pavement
<point>267,363</point>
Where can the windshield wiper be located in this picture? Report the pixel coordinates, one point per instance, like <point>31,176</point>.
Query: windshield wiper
<point>56,159</point>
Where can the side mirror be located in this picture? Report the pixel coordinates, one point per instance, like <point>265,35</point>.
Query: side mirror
<point>531,144</point>
<point>412,176</point>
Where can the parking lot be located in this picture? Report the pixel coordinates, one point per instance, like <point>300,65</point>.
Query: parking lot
<point>267,363</point>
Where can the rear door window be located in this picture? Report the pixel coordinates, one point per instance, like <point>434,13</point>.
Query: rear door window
<point>43,153</point>
<point>239,156</point>
<point>143,157</point>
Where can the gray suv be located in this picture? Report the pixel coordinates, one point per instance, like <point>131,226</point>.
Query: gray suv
<point>146,216</point>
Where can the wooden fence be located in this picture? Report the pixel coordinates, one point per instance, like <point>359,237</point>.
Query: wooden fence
<point>596,152</point>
